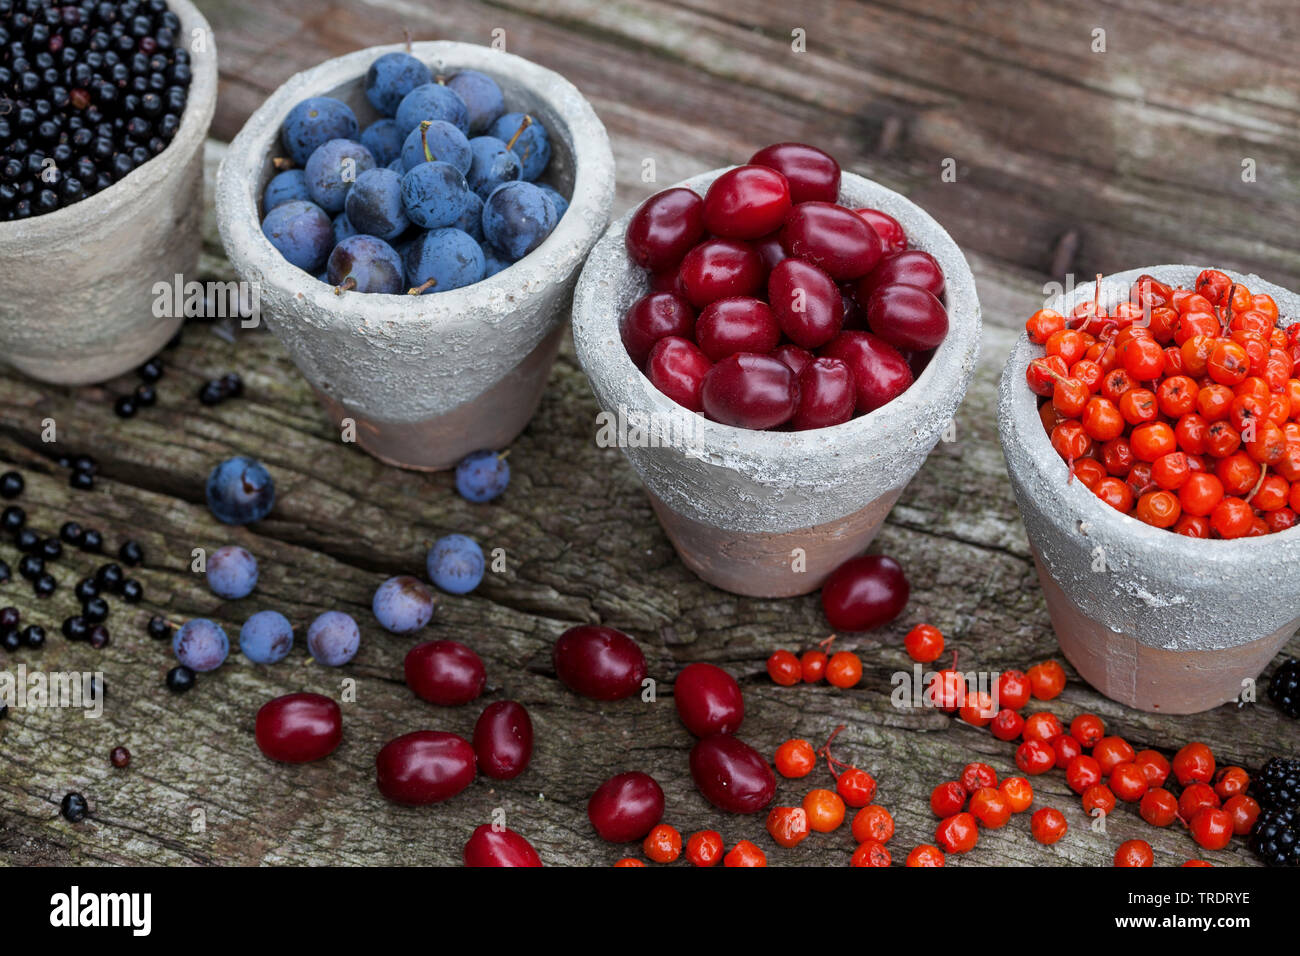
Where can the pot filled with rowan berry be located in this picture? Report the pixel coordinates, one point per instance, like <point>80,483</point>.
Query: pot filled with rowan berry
<point>104,110</point>
<point>414,217</point>
<point>775,347</point>
<point>1151,427</point>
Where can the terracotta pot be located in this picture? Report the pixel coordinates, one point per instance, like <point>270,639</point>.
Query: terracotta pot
<point>1152,619</point>
<point>426,379</point>
<point>771,514</point>
<point>77,293</point>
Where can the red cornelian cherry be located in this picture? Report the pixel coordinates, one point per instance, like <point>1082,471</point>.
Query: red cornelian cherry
<point>1194,763</point>
<point>599,662</point>
<point>784,668</point>
<point>489,846</point>
<point>626,807</point>
<point>653,317</point>
<point>733,325</point>
<point>827,395</point>
<point>890,230</point>
<point>870,853</point>
<point>813,175</point>
<point>664,228</point>
<point>1134,853</point>
<point>865,593</point>
<point>793,356</point>
<point>298,728</point>
<point>925,855</point>
<point>873,823</point>
<point>990,808</point>
<point>425,766</point>
<point>913,268</point>
<point>947,799</point>
<point>446,673</point>
<point>1047,825</point>
<point>708,700</point>
<point>806,303</point>
<point>732,775</point>
<point>880,372</point>
<point>746,202</point>
<point>503,740</point>
<point>719,269</point>
<point>662,844</point>
<point>957,834</point>
<point>924,643</point>
<point>788,826</point>
<point>745,853</point>
<point>907,317</point>
<point>677,367</point>
<point>832,237</point>
<point>704,848</point>
<point>749,390</point>
<point>795,759</point>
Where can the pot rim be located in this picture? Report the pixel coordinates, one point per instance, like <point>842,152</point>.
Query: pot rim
<point>595,323</point>
<point>1028,449</point>
<point>200,104</point>
<point>238,195</point>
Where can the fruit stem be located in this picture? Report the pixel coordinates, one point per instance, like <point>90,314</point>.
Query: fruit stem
<point>282,162</point>
<point>826,643</point>
<point>424,139</point>
<point>422,288</point>
<point>406,31</point>
<point>527,122</point>
<point>831,762</point>
<point>1263,473</point>
<point>347,285</point>
<point>1227,321</point>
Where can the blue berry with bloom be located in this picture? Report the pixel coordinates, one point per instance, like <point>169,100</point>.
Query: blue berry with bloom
<point>201,645</point>
<point>403,604</point>
<point>240,491</point>
<point>316,120</point>
<point>455,564</point>
<point>266,637</point>
<point>482,476</point>
<point>391,77</point>
<point>333,639</point>
<point>232,572</point>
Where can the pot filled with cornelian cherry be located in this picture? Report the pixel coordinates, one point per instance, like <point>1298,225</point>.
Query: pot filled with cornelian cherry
<point>1151,427</point>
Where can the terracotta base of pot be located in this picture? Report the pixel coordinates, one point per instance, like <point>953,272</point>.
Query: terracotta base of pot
<point>763,565</point>
<point>492,420</point>
<point>1151,678</point>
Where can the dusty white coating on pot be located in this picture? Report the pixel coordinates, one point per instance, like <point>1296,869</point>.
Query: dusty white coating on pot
<point>400,358</point>
<point>1166,590</point>
<point>76,294</point>
<point>769,481</point>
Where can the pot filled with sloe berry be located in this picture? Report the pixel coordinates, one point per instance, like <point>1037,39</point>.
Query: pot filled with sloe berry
<point>104,110</point>
<point>776,347</point>
<point>415,217</point>
<point>1151,426</point>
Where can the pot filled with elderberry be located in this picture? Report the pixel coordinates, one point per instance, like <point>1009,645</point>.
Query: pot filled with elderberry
<point>1151,427</point>
<point>415,217</point>
<point>776,347</point>
<point>104,110</point>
